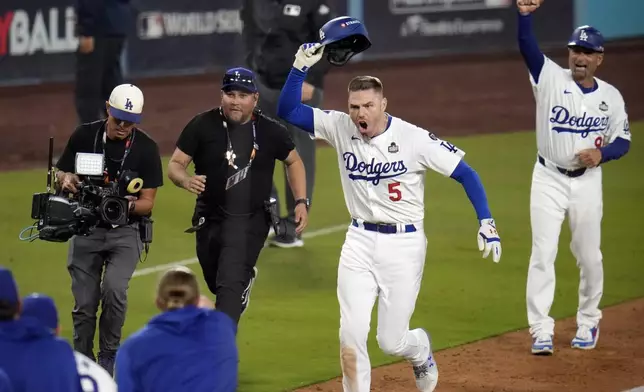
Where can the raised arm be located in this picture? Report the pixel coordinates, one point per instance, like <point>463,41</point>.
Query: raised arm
<point>290,108</point>
<point>528,46</point>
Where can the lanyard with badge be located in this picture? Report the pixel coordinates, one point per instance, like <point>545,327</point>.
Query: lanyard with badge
<point>240,175</point>
<point>128,147</point>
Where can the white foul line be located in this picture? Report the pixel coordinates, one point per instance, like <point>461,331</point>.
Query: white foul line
<point>638,389</point>
<point>193,260</point>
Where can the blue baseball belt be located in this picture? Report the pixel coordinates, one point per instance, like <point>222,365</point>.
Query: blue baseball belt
<point>385,228</point>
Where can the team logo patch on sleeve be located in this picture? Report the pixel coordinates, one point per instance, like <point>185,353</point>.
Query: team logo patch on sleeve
<point>603,107</point>
<point>393,148</point>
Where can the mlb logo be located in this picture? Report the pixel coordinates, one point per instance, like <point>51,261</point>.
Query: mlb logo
<point>150,25</point>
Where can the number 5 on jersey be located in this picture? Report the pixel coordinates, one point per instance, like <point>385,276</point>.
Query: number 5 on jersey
<point>394,192</point>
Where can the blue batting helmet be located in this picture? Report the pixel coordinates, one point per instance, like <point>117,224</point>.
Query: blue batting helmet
<point>587,37</point>
<point>343,37</point>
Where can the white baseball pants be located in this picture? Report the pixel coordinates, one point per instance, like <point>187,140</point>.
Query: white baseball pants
<point>552,196</point>
<point>388,267</point>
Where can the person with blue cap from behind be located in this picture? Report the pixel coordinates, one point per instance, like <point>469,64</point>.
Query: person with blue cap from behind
<point>93,377</point>
<point>33,357</point>
<point>188,347</point>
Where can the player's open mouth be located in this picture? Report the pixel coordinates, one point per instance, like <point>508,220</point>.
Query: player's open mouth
<point>580,67</point>
<point>363,124</point>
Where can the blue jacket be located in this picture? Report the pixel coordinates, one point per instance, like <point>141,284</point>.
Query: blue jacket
<point>189,349</point>
<point>35,360</point>
<point>100,18</point>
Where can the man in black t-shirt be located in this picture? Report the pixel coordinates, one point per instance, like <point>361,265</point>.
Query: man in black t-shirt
<point>117,249</point>
<point>234,148</point>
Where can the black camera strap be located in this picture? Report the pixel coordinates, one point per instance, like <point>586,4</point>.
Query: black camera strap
<point>128,147</point>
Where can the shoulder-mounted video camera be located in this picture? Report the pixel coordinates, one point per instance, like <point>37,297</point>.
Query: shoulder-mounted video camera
<point>62,215</point>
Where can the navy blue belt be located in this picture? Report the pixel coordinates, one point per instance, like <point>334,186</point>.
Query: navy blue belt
<point>566,172</point>
<point>385,228</point>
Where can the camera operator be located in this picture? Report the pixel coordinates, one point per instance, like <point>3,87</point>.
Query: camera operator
<point>234,148</point>
<point>117,249</point>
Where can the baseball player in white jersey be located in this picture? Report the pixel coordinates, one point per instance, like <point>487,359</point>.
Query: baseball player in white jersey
<point>581,124</point>
<point>382,162</point>
<point>93,377</point>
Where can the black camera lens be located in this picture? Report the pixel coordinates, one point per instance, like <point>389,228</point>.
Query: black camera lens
<point>113,210</point>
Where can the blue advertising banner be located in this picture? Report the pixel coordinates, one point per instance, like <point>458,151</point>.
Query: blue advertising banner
<point>37,40</point>
<point>432,27</point>
<point>185,37</point>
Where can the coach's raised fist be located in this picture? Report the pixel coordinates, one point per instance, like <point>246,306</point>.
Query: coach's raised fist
<point>528,6</point>
<point>307,56</point>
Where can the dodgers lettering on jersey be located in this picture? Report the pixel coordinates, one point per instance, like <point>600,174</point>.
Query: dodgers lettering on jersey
<point>93,377</point>
<point>372,171</point>
<point>384,178</point>
<point>563,121</point>
<point>569,121</point>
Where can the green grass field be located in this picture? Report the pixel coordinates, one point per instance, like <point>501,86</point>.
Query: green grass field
<point>289,336</point>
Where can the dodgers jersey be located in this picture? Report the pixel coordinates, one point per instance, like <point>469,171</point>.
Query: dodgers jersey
<point>383,178</point>
<point>569,120</point>
<point>93,377</point>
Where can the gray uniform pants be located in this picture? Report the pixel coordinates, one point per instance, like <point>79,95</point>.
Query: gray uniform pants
<point>113,255</point>
<point>268,99</point>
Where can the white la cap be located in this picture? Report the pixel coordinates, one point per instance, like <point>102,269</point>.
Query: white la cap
<point>126,103</point>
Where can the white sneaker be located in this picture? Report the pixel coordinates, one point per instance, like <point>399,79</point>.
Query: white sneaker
<point>542,345</point>
<point>427,374</point>
<point>586,337</point>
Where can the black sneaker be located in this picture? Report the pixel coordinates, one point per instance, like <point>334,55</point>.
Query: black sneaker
<point>286,241</point>
<point>246,293</point>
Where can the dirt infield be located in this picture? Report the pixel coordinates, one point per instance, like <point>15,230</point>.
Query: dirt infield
<point>504,363</point>
<point>452,96</point>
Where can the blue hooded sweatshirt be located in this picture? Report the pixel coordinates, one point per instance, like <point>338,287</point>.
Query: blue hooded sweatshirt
<point>5,384</point>
<point>188,349</point>
<point>35,359</point>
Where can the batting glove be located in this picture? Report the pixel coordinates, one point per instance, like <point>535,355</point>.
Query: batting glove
<point>489,240</point>
<point>307,56</point>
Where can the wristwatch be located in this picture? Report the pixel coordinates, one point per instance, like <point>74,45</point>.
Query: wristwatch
<point>306,202</point>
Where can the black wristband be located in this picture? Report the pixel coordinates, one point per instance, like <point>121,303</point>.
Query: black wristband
<point>306,202</point>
